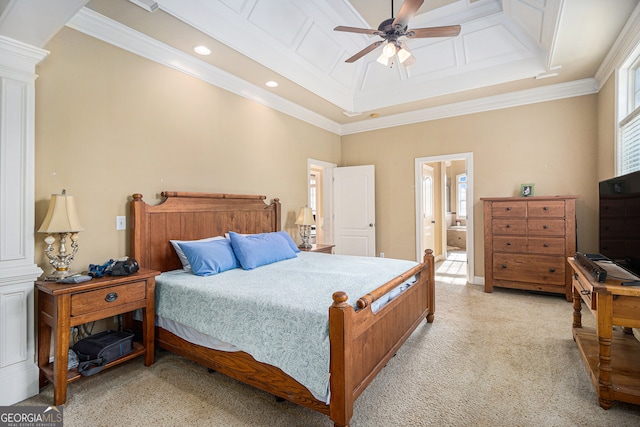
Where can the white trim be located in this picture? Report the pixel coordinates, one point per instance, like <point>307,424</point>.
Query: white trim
<point>468,157</point>
<point>627,41</point>
<point>513,99</point>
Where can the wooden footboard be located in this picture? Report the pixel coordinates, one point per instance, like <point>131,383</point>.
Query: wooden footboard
<point>361,341</point>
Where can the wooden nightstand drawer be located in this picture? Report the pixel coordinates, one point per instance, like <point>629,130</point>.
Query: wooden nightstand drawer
<point>545,208</point>
<point>585,289</point>
<point>545,227</point>
<point>509,209</point>
<point>529,268</point>
<point>509,244</point>
<point>546,245</point>
<point>509,226</point>
<point>105,298</point>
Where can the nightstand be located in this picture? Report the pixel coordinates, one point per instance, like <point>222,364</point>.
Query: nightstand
<point>63,306</point>
<point>325,249</point>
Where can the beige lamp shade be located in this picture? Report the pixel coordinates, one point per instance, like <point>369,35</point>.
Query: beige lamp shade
<point>62,216</point>
<point>305,217</point>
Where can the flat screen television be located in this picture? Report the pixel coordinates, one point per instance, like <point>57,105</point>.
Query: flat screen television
<point>620,220</point>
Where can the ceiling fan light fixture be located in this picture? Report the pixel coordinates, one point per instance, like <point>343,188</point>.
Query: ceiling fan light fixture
<point>403,55</point>
<point>383,59</point>
<point>389,50</point>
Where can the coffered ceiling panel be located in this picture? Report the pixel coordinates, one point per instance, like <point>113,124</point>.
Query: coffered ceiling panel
<point>495,42</point>
<point>283,20</point>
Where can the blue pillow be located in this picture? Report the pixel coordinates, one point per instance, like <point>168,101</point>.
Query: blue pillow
<point>289,240</point>
<point>209,257</point>
<point>255,250</point>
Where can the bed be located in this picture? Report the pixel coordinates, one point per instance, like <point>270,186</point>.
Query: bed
<point>361,341</point>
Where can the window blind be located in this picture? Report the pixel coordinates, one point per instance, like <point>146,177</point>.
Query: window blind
<point>629,152</point>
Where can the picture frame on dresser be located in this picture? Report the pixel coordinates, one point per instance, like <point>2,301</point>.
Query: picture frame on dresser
<point>527,190</point>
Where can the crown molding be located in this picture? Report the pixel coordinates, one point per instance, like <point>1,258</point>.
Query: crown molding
<point>628,40</point>
<point>102,28</point>
<point>496,102</point>
<point>20,57</point>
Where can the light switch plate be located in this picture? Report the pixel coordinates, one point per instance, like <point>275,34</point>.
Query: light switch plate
<point>121,223</point>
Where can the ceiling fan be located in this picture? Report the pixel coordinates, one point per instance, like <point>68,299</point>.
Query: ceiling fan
<point>392,29</point>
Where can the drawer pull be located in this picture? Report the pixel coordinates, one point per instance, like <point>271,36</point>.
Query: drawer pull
<point>508,243</point>
<point>111,297</point>
<point>585,292</point>
<point>508,209</point>
<point>575,276</point>
<point>504,265</point>
<point>508,226</point>
<point>553,270</point>
<point>546,245</point>
<point>545,226</point>
<point>545,208</point>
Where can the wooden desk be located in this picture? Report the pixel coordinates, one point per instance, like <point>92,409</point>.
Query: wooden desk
<point>611,355</point>
<point>63,306</point>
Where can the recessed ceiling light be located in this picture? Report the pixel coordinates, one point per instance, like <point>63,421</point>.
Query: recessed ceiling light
<point>374,115</point>
<point>271,83</point>
<point>202,50</point>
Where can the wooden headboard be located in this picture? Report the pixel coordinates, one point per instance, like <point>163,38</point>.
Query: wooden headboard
<point>191,216</point>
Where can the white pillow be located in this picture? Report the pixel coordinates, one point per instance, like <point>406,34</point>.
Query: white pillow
<point>183,258</point>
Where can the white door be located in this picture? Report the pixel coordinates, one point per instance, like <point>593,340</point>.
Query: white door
<point>354,210</point>
<point>428,220</point>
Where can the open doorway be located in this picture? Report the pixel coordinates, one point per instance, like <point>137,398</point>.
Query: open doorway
<point>320,175</point>
<point>448,207</point>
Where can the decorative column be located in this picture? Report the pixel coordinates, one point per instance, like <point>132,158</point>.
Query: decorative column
<point>18,271</point>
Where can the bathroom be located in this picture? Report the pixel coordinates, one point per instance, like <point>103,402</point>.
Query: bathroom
<point>455,196</point>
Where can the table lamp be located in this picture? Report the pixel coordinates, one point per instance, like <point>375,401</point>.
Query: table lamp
<point>61,218</point>
<point>305,221</point>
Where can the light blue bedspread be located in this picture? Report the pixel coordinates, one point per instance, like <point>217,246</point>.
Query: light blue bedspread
<point>278,313</point>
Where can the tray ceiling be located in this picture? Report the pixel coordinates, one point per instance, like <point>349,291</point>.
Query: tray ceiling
<point>505,47</point>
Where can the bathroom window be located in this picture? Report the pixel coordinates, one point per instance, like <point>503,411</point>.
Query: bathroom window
<point>461,195</point>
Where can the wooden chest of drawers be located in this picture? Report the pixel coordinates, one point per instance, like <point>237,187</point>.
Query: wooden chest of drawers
<point>527,241</point>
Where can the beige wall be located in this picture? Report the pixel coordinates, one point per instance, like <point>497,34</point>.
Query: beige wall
<point>552,144</point>
<point>110,124</point>
<point>606,129</point>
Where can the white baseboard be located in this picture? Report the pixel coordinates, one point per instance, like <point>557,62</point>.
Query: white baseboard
<point>18,382</point>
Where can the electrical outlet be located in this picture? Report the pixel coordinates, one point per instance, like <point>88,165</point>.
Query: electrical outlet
<point>121,223</point>
<point>381,254</point>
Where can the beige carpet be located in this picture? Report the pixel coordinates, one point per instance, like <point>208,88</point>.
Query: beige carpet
<point>500,359</point>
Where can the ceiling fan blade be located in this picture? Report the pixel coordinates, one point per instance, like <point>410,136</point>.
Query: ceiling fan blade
<point>357,30</point>
<point>408,9</point>
<point>448,31</point>
<point>364,51</point>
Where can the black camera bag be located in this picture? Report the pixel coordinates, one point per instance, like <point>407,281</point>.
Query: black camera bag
<point>95,351</point>
<point>124,268</point>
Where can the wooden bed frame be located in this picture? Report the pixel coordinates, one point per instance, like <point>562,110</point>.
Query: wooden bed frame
<point>361,342</point>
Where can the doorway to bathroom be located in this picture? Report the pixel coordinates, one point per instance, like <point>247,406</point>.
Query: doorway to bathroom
<point>444,210</point>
